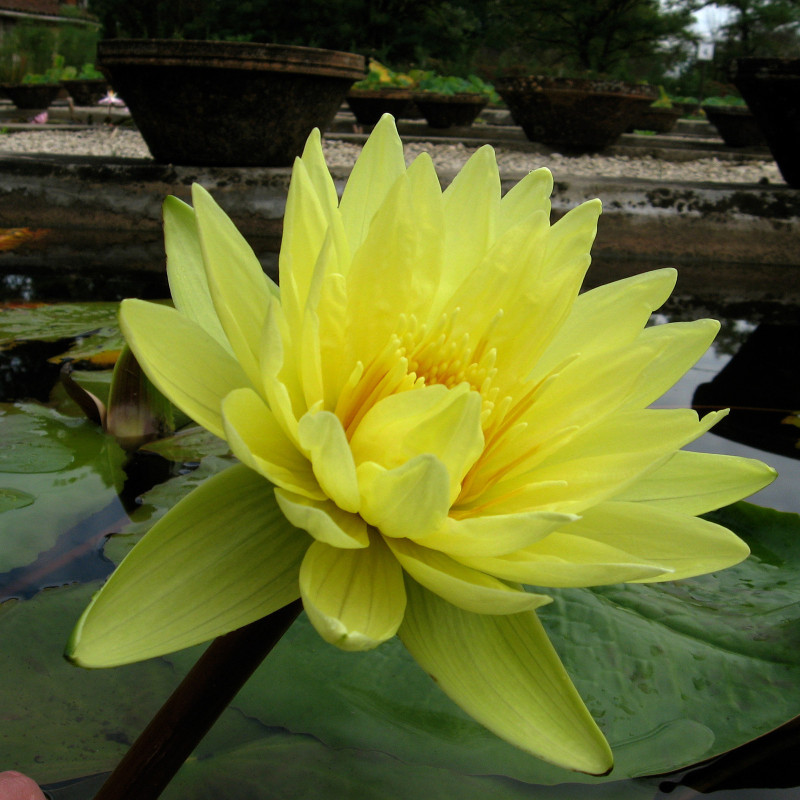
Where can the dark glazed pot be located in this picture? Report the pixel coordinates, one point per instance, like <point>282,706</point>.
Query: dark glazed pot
<point>86,91</point>
<point>227,103</point>
<point>369,105</point>
<point>574,114</point>
<point>31,95</point>
<point>771,89</point>
<point>448,110</point>
<point>736,125</point>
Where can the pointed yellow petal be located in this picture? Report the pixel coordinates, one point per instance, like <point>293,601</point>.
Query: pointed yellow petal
<point>259,441</point>
<point>321,435</point>
<point>377,169</point>
<point>323,520</point>
<point>684,545</point>
<point>620,309</point>
<point>354,598</point>
<point>409,501</point>
<point>503,671</point>
<point>185,363</point>
<point>694,483</point>
<point>480,536</point>
<point>186,270</point>
<point>564,560</point>
<point>462,586</point>
<point>529,195</point>
<point>471,204</point>
<point>223,557</point>
<point>239,288</point>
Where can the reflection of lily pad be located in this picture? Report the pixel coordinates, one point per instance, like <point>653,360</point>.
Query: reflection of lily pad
<point>14,498</point>
<point>93,325</point>
<point>190,444</point>
<point>71,468</point>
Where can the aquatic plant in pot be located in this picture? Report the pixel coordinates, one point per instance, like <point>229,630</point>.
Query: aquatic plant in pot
<point>382,91</point>
<point>227,103</point>
<point>87,86</point>
<point>660,117</point>
<point>447,100</point>
<point>734,121</point>
<point>577,114</point>
<point>771,89</point>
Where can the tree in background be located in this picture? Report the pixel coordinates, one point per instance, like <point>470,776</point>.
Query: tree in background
<point>612,37</point>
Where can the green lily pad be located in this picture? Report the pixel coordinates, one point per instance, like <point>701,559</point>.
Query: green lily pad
<point>93,326</point>
<point>189,444</point>
<point>674,673</point>
<point>68,466</point>
<point>61,722</point>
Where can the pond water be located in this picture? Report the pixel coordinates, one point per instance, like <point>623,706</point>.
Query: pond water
<point>752,368</point>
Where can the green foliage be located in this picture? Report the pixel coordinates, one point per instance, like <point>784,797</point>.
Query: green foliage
<point>451,84</point>
<point>619,38</point>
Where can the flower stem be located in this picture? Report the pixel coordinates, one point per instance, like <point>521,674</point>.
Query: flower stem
<point>194,707</point>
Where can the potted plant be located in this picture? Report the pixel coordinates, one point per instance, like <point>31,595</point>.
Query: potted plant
<point>382,91</point>
<point>36,90</point>
<point>227,103</point>
<point>85,87</point>
<point>771,89</point>
<point>573,114</point>
<point>660,117</point>
<point>446,100</point>
<point>734,121</point>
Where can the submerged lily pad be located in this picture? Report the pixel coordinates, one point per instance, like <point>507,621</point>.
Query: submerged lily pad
<point>68,466</point>
<point>93,326</point>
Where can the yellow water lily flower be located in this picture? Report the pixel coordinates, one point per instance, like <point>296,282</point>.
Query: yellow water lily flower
<point>428,415</point>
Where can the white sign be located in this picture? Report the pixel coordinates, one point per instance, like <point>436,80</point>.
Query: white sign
<point>705,51</point>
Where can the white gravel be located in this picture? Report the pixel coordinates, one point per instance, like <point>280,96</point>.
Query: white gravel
<point>119,142</point>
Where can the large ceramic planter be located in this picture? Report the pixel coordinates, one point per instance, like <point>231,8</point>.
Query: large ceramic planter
<point>771,89</point>
<point>369,105</point>
<point>86,91</point>
<point>573,114</point>
<point>736,125</point>
<point>450,110</point>
<point>227,103</point>
<point>31,95</point>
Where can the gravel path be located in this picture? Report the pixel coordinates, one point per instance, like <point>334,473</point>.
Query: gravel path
<point>118,142</point>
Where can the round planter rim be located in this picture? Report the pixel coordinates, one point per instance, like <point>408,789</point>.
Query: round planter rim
<point>458,97</point>
<point>531,84</point>
<point>231,55</point>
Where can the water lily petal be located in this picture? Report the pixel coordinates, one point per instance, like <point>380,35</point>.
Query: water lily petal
<point>258,440</point>
<point>322,436</point>
<point>186,272</point>
<point>223,557</point>
<point>323,520</point>
<point>600,461</point>
<point>381,163</point>
<point>354,598</point>
<point>619,309</point>
<point>437,420</point>
<point>694,483</point>
<point>460,585</point>
<point>503,671</point>
<point>685,545</point>
<point>494,535</point>
<point>471,204</point>
<point>564,560</point>
<point>185,363</point>
<point>239,288</point>
<point>409,501</point>
<point>678,347</point>
<point>524,198</point>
